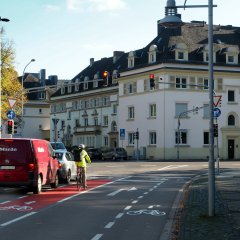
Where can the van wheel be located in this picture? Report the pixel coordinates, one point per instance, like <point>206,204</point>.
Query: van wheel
<point>68,178</point>
<point>37,189</point>
<point>55,183</point>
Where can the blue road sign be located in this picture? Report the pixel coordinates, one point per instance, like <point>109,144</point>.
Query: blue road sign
<point>11,114</point>
<point>122,133</point>
<point>216,112</point>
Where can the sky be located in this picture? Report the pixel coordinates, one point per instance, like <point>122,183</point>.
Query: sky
<point>62,35</point>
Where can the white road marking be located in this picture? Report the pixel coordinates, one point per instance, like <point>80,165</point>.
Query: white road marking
<point>140,197</point>
<point>127,208</point>
<point>172,167</point>
<point>135,201</point>
<point>17,219</point>
<point>97,236</point>
<point>22,197</point>
<point>5,202</point>
<point>116,192</point>
<point>109,225</point>
<point>119,215</point>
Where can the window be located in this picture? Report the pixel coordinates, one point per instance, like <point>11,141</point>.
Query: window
<point>77,123</point>
<point>180,55</point>
<point>230,59</point>
<point>69,115</point>
<point>85,121</point>
<point>95,84</point>
<point>85,86</point>
<point>105,140</point>
<point>231,120</point>
<point>105,120</point>
<point>182,139</point>
<point>206,110</point>
<point>231,96</point>
<point>180,108</point>
<point>130,112</point>
<point>181,83</point>
<point>205,84</point>
<point>152,110</point>
<point>114,108</point>
<point>152,138</point>
<point>206,138</point>
<point>95,121</point>
<point>40,111</point>
<point>130,138</point>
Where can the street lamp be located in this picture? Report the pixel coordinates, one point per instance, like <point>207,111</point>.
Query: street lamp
<point>32,60</point>
<point>2,20</point>
<point>172,20</point>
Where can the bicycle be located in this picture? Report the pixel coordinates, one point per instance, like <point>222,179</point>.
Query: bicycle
<point>79,179</point>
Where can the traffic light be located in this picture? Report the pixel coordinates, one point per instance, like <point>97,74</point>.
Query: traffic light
<point>152,81</point>
<point>15,128</point>
<point>105,78</point>
<point>10,126</point>
<point>215,130</point>
<point>137,135</point>
<point>58,134</point>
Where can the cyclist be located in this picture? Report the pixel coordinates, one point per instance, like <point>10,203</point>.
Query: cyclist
<point>82,165</point>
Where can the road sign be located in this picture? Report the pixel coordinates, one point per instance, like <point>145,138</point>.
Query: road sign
<point>11,102</point>
<point>216,112</point>
<point>122,133</point>
<point>11,114</point>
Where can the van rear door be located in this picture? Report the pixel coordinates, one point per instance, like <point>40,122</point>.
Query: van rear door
<point>16,160</point>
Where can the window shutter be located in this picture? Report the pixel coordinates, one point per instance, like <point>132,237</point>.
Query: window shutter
<point>134,87</point>
<point>200,82</point>
<point>124,89</point>
<point>172,83</point>
<point>219,84</point>
<point>192,83</point>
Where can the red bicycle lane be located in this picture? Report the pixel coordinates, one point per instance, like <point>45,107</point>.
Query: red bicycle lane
<point>49,197</point>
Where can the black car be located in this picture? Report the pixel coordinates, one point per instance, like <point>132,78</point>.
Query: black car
<point>94,153</point>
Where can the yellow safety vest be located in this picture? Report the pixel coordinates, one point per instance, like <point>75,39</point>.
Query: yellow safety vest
<point>83,157</point>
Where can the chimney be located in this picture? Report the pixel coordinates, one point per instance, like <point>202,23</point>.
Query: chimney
<point>91,62</point>
<point>117,55</point>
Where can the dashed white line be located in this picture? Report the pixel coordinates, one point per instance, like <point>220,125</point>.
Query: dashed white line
<point>17,219</point>
<point>140,197</point>
<point>127,207</point>
<point>97,236</point>
<point>5,202</point>
<point>109,225</point>
<point>119,215</point>
<point>135,201</point>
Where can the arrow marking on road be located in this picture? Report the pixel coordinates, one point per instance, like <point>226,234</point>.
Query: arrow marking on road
<point>120,190</point>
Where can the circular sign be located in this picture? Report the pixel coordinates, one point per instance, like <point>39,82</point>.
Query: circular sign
<point>11,114</point>
<point>216,112</point>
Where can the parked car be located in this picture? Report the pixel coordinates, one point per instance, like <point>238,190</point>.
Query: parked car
<point>114,153</point>
<point>68,169</point>
<point>58,145</point>
<point>27,162</point>
<point>94,153</point>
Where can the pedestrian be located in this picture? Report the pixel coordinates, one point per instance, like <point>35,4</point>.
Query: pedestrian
<point>82,164</point>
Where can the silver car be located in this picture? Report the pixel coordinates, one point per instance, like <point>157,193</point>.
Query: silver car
<point>68,169</point>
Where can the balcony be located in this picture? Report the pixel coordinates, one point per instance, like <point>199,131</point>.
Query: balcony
<point>89,129</point>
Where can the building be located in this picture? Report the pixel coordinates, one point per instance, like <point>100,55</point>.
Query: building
<point>85,109</point>
<point>162,92</point>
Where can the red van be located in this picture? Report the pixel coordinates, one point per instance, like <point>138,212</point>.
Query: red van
<point>27,162</point>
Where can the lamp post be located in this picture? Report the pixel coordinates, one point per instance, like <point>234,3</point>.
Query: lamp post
<point>172,20</point>
<point>2,20</point>
<point>32,60</point>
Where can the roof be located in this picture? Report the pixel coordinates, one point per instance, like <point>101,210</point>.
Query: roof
<point>194,35</point>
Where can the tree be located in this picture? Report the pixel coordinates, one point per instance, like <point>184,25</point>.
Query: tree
<point>11,86</point>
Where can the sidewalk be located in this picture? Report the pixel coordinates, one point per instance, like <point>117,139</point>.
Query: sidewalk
<point>191,221</point>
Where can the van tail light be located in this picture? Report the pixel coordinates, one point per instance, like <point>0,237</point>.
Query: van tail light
<point>31,166</point>
<point>59,165</point>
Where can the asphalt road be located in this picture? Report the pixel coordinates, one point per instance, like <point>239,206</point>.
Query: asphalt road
<point>125,200</point>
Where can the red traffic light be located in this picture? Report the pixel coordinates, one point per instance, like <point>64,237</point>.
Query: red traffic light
<point>151,76</point>
<point>10,123</point>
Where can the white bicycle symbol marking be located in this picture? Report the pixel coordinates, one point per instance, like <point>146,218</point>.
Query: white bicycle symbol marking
<point>148,212</point>
<point>18,208</point>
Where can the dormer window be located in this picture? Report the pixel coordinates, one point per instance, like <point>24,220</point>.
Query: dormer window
<point>206,55</point>
<point>152,54</point>
<point>181,52</point>
<point>76,86</point>
<point>85,84</point>
<point>131,59</point>
<point>70,88</point>
<point>232,55</point>
<point>63,90</point>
